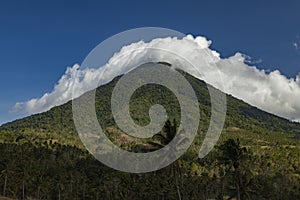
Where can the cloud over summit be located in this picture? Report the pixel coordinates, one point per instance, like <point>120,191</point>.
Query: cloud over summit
<point>270,91</point>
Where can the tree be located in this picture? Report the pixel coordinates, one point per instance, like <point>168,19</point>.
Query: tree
<point>168,133</point>
<point>232,155</point>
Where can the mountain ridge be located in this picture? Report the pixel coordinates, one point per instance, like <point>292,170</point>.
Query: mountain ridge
<point>61,115</point>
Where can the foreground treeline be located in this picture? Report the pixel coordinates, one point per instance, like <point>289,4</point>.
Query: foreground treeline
<point>54,171</point>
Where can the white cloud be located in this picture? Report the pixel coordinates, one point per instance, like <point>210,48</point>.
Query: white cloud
<point>270,91</point>
<point>295,44</point>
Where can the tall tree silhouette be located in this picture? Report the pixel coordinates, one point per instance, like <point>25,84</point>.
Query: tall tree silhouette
<point>165,137</point>
<point>233,154</point>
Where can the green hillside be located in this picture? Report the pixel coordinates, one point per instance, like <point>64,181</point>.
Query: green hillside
<point>257,156</point>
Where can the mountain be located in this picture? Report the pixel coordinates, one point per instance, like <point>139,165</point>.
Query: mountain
<point>43,156</point>
<point>58,121</point>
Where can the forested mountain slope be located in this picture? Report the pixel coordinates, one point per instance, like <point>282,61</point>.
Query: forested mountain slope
<point>42,156</point>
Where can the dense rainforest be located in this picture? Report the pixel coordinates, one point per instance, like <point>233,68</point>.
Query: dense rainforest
<point>256,157</point>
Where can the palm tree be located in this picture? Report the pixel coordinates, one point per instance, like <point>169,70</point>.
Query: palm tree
<point>164,138</point>
<point>233,155</point>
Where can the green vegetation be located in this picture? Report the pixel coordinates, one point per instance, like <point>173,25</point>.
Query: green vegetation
<point>257,156</point>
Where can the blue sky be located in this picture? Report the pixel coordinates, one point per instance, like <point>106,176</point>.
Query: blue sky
<point>38,40</point>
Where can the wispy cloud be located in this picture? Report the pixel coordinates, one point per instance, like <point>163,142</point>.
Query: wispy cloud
<point>251,61</point>
<point>296,43</point>
<point>270,91</point>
